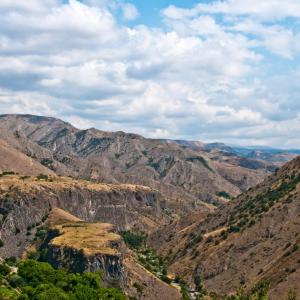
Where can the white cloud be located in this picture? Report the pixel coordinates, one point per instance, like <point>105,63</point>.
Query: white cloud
<point>200,77</point>
<point>130,12</point>
<point>262,9</point>
<point>275,38</point>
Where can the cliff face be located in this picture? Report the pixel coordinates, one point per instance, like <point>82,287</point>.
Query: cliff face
<point>25,203</point>
<point>81,246</point>
<point>76,262</point>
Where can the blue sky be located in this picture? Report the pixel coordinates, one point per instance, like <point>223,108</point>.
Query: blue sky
<point>150,10</point>
<point>225,70</point>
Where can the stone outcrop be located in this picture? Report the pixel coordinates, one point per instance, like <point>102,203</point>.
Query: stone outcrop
<point>81,246</point>
<point>26,203</point>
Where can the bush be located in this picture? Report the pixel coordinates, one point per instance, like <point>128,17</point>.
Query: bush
<point>7,293</point>
<point>139,288</point>
<point>1,243</point>
<point>234,229</point>
<point>4,269</point>
<point>11,261</point>
<point>8,173</point>
<point>223,194</point>
<point>295,248</point>
<point>166,279</point>
<point>42,177</point>
<point>133,240</point>
<point>15,280</point>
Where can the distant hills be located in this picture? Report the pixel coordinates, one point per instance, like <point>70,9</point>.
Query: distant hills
<point>190,174</point>
<point>253,152</point>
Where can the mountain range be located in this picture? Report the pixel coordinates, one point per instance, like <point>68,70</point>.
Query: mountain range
<point>189,174</point>
<point>206,219</point>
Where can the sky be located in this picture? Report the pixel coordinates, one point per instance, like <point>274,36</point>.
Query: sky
<point>223,70</point>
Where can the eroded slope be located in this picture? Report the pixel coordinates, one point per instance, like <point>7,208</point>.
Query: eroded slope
<point>253,239</point>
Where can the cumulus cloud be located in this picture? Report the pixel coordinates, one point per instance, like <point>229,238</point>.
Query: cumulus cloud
<point>130,12</point>
<point>208,73</point>
<point>263,9</point>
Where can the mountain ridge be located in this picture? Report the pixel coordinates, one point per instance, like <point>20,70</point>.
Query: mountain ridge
<point>178,172</point>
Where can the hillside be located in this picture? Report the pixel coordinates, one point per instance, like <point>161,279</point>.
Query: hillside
<point>26,202</point>
<point>79,246</point>
<point>143,186</point>
<point>12,159</point>
<point>83,260</point>
<point>187,177</point>
<point>253,239</point>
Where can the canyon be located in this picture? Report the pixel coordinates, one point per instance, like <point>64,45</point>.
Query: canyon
<point>226,216</point>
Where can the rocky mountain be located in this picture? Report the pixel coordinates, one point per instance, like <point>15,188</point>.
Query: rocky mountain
<point>263,154</point>
<point>12,159</point>
<point>254,239</point>
<point>276,156</point>
<point>188,177</point>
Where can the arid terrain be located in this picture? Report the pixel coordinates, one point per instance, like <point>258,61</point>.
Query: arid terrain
<point>189,177</point>
<point>253,239</point>
<point>156,216</point>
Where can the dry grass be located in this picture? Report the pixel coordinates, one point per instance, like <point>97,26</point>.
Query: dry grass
<point>91,238</point>
<point>26,183</point>
<point>59,217</point>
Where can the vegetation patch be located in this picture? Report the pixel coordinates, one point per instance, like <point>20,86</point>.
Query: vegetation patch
<point>200,159</point>
<point>7,173</point>
<point>146,255</point>
<point>40,281</point>
<point>224,194</point>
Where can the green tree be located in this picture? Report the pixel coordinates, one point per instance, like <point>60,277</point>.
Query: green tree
<point>7,294</point>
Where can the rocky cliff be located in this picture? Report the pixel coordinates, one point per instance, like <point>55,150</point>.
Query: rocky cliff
<point>25,202</point>
<point>80,246</point>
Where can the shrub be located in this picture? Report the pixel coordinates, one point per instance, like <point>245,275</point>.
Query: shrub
<point>1,243</point>
<point>234,228</point>
<point>224,235</point>
<point>139,288</point>
<point>223,194</point>
<point>166,279</point>
<point>7,293</point>
<point>133,240</point>
<point>4,269</point>
<point>209,239</point>
<point>15,280</point>
<point>295,248</point>
<point>11,261</point>
<point>8,173</point>
<point>42,177</point>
